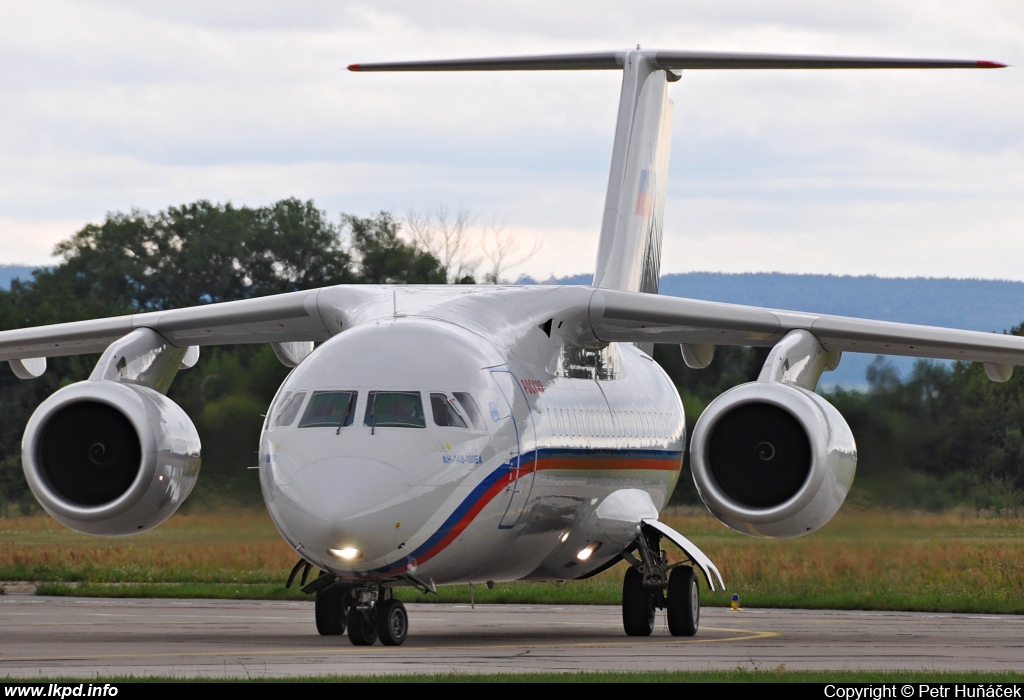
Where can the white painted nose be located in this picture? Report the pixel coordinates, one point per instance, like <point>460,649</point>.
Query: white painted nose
<point>342,488</point>
<point>349,503</point>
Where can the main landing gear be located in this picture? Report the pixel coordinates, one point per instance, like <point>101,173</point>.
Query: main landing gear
<point>368,613</point>
<point>652,583</point>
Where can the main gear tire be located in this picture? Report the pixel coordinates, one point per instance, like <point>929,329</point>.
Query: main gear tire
<point>362,628</point>
<point>637,605</point>
<point>683,602</point>
<point>392,623</point>
<point>330,611</point>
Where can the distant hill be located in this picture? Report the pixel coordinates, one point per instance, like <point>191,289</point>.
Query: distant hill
<point>10,272</point>
<point>982,305</point>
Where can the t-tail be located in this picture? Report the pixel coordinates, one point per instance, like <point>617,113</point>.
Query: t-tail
<point>629,251</point>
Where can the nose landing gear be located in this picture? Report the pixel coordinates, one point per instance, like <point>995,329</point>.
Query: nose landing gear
<point>368,613</point>
<point>330,611</point>
<point>392,623</point>
<point>374,614</point>
<point>652,583</point>
<point>362,627</point>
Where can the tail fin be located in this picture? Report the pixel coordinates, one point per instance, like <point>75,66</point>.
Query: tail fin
<point>629,252</point>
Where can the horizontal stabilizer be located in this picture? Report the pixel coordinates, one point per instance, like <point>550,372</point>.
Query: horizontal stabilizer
<point>701,60</point>
<point>604,60</point>
<point>680,60</point>
<point>629,249</point>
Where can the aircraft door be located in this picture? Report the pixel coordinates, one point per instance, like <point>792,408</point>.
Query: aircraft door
<point>520,476</point>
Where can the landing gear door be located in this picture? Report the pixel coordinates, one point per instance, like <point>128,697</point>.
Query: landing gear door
<point>516,410</point>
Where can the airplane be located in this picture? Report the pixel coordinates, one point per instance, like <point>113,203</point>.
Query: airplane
<point>433,435</point>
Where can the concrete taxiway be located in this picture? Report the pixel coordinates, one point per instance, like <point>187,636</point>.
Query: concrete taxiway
<point>46,637</point>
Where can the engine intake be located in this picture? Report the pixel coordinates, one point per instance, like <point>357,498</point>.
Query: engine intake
<point>110,458</point>
<point>772,459</point>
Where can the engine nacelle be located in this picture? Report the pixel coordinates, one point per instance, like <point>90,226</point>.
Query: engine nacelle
<point>772,459</point>
<point>110,458</point>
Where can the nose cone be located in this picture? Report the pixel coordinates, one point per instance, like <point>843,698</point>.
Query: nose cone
<point>340,488</point>
<point>339,474</point>
<point>344,503</point>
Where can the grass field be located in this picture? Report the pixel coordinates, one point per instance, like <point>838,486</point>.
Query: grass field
<point>737,676</point>
<point>862,560</point>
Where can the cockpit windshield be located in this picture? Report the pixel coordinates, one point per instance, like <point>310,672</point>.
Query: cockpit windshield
<point>289,409</point>
<point>445,413</point>
<point>394,409</point>
<point>329,409</point>
<point>470,408</point>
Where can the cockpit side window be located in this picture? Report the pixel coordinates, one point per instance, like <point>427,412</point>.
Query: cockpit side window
<point>289,409</point>
<point>329,409</point>
<point>470,408</point>
<point>445,414</point>
<point>394,409</point>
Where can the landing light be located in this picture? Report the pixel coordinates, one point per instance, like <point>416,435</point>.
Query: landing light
<point>587,551</point>
<point>564,537</point>
<point>347,553</point>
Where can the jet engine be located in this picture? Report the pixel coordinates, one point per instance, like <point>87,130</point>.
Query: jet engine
<point>110,458</point>
<point>772,459</point>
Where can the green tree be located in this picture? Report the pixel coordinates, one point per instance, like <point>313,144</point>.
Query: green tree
<point>384,258</point>
<point>195,254</point>
<point>202,253</point>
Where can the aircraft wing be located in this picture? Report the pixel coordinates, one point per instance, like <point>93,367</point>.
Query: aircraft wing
<point>649,318</point>
<point>613,316</point>
<point>276,319</point>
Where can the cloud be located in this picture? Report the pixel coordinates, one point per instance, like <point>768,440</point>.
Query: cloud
<point>114,105</point>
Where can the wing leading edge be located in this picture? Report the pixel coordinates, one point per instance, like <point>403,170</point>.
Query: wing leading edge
<point>645,318</point>
<point>601,315</point>
<point>276,319</point>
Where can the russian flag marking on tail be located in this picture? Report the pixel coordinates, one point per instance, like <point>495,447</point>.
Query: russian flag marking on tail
<point>645,193</point>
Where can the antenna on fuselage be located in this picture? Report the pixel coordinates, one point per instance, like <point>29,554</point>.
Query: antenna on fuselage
<point>629,250</point>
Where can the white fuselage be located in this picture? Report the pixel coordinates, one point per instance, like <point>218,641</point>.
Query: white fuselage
<point>431,440</point>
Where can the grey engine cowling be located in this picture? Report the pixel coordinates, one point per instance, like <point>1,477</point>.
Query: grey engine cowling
<point>772,459</point>
<point>110,458</point>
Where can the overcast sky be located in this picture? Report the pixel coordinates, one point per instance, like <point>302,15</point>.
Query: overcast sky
<point>109,106</point>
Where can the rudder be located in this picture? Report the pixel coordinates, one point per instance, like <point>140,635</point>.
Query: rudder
<point>629,251</point>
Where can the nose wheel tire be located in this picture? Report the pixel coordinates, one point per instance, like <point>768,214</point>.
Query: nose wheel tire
<point>683,602</point>
<point>330,611</point>
<point>392,623</point>
<point>637,606</point>
<point>362,629</point>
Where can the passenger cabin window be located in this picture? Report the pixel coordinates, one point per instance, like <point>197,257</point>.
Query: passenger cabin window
<point>329,409</point>
<point>444,412</point>
<point>394,409</point>
<point>470,408</point>
<point>289,409</point>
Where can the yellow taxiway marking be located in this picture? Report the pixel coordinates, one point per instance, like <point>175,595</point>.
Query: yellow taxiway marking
<point>740,636</point>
